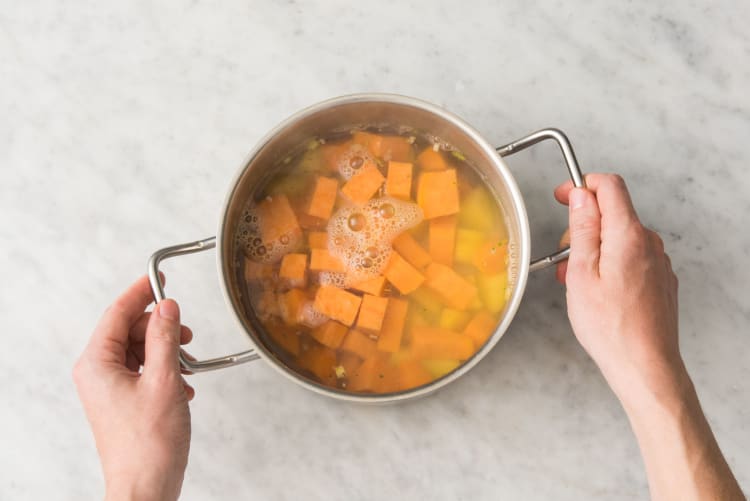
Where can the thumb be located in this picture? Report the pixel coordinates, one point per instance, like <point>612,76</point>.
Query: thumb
<point>585,232</point>
<point>163,341</point>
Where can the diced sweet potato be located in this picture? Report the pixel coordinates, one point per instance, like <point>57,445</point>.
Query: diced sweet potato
<point>283,336</point>
<point>392,329</point>
<point>371,313</point>
<point>330,334</point>
<point>480,328</point>
<point>437,343</point>
<point>290,306</point>
<point>429,159</point>
<point>411,374</point>
<point>349,361</point>
<point>372,286</point>
<point>321,361</point>
<point>468,243</point>
<point>398,181</point>
<point>337,304</point>
<point>437,193</point>
<point>360,344</point>
<point>276,218</point>
<point>409,248</point>
<point>386,147</point>
<point>334,153</point>
<point>255,272</point>
<point>365,377</point>
<point>454,319</point>
<point>294,270</point>
<point>402,275</point>
<point>363,185</point>
<point>442,239</point>
<point>492,291</point>
<point>323,197</point>
<point>317,240</point>
<point>322,260</point>
<point>492,257</point>
<point>453,289</point>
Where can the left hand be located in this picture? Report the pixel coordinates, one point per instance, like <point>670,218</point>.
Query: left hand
<point>140,418</point>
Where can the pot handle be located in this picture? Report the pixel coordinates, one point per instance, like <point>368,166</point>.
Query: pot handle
<point>186,363</point>
<point>575,174</point>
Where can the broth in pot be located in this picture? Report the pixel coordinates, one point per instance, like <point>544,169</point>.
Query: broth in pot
<point>375,260</point>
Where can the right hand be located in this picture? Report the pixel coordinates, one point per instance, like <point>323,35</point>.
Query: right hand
<point>621,290</point>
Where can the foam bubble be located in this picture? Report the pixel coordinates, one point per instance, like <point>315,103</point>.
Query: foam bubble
<point>249,238</point>
<point>352,160</point>
<point>366,246</point>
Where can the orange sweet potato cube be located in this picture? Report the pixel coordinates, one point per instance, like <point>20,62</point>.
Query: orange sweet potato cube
<point>402,275</point>
<point>429,159</point>
<point>322,260</point>
<point>290,306</point>
<point>411,374</point>
<point>452,288</point>
<point>371,313</point>
<point>330,333</point>
<point>437,343</point>
<point>398,181</point>
<point>437,193</point>
<point>480,328</point>
<point>372,286</point>
<point>386,147</point>
<point>276,218</point>
<point>317,240</point>
<point>337,304</point>
<point>285,338</point>
<point>360,344</point>
<point>321,361</point>
<point>409,248</point>
<point>323,197</point>
<point>294,270</point>
<point>392,329</point>
<point>349,361</point>
<point>363,185</point>
<point>442,239</point>
<point>365,376</point>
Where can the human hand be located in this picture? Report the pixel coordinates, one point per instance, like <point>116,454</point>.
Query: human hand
<point>621,290</point>
<point>140,421</point>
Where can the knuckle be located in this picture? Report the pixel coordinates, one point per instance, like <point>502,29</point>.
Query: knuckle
<point>616,180</point>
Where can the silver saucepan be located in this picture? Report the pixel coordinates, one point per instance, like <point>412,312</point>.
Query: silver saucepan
<point>339,114</point>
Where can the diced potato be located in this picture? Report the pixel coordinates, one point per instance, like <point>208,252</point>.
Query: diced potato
<point>492,291</point>
<point>468,243</point>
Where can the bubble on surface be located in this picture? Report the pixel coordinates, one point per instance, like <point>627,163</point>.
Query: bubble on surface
<point>365,253</point>
<point>249,238</point>
<point>352,160</point>
<point>311,317</point>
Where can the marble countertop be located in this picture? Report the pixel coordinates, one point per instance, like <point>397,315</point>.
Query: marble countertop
<point>122,124</point>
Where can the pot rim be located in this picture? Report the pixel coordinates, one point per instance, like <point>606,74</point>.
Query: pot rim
<point>524,251</point>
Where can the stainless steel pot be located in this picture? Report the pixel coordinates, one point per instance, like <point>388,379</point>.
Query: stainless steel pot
<point>340,114</point>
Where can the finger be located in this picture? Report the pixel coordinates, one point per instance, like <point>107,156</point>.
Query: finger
<point>656,241</point>
<point>561,272</point>
<point>611,194</point>
<point>561,192</point>
<point>585,231</point>
<point>110,338</point>
<point>562,267</point>
<point>138,331</point>
<point>162,341</point>
<point>189,390</point>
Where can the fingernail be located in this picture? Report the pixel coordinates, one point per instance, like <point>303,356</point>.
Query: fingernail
<point>577,198</point>
<point>168,309</point>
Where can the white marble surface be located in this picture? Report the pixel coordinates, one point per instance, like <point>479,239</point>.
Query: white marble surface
<point>122,123</point>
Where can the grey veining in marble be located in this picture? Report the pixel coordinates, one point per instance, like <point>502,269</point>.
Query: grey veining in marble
<point>121,124</point>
